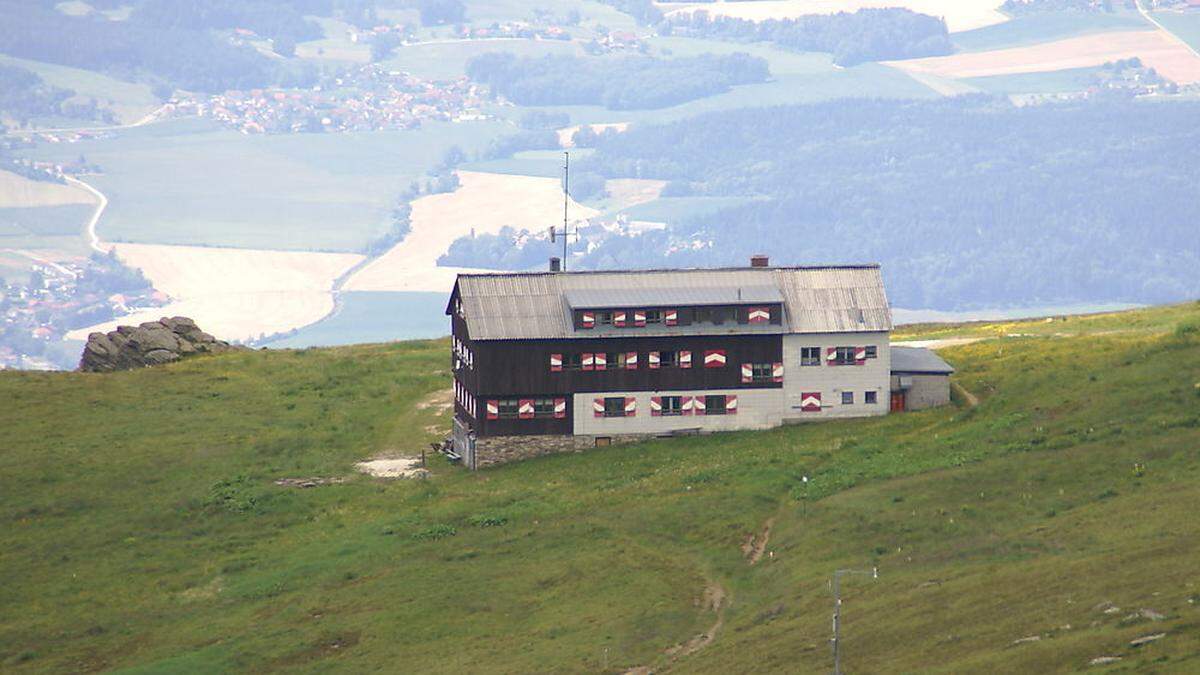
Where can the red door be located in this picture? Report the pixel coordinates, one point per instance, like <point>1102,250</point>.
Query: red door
<point>897,401</point>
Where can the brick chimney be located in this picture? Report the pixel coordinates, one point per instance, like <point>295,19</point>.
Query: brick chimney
<point>760,260</point>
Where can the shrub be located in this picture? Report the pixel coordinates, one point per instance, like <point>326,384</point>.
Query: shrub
<point>440,531</point>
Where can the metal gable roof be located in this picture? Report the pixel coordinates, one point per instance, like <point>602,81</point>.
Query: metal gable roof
<point>537,305</point>
<point>918,360</point>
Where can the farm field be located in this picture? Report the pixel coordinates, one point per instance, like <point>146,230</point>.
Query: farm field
<point>1050,82</point>
<point>1185,25</point>
<point>1046,27</point>
<point>960,15</point>
<point>234,294</point>
<point>147,532</point>
<point>483,203</point>
<point>128,100</point>
<point>1154,48</point>
<point>447,59</point>
<point>373,316</point>
<point>186,182</point>
<point>19,192</point>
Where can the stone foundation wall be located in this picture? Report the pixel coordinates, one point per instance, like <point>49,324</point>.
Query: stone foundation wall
<point>497,450</point>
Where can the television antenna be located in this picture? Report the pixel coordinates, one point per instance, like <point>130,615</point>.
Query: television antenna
<point>565,233</point>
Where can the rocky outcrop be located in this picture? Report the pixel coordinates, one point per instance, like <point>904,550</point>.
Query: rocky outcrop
<point>150,344</point>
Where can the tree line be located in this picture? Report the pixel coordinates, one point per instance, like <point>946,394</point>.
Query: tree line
<point>617,83</point>
<point>25,96</point>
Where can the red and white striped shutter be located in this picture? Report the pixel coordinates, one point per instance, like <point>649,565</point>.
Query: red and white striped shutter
<point>630,406</point>
<point>714,358</point>
<point>598,407</point>
<point>619,319</point>
<point>588,320</point>
<point>555,363</point>
<point>810,402</point>
<point>685,359</point>
<point>731,405</point>
<point>777,372</point>
<point>493,410</point>
<point>671,317</point>
<point>631,361</point>
<point>655,406</point>
<point>747,372</point>
<point>653,359</point>
<point>860,356</point>
<point>831,355</point>
<point>685,405</point>
<point>560,408</point>
<point>760,315</point>
<point>525,409</point>
<point>600,360</point>
<point>698,405</point>
<point>639,317</point>
<point>587,361</point>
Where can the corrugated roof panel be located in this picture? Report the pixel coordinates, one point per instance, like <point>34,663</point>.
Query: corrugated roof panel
<point>657,296</point>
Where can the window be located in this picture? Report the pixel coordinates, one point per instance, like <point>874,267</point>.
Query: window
<point>810,356</point>
<point>668,359</point>
<point>543,407</point>
<point>508,408</point>
<point>763,372</point>
<point>654,316</point>
<point>845,356</point>
<point>872,352</point>
<point>604,318</point>
<point>719,315</point>
<point>572,361</point>
<point>847,398</point>
<point>870,397</point>
<point>672,405</point>
<point>714,405</point>
<point>616,359</point>
<point>704,315</point>
<point>614,406</point>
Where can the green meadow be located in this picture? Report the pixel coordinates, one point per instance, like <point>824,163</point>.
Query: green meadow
<point>1185,25</point>
<point>128,100</point>
<point>1033,29</point>
<point>1050,525</point>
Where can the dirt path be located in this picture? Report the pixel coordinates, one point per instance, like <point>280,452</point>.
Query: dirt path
<point>714,599</point>
<point>756,545</point>
<point>971,399</point>
<point>101,205</point>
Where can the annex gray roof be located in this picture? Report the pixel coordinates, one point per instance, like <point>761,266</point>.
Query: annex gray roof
<point>537,305</point>
<point>918,360</point>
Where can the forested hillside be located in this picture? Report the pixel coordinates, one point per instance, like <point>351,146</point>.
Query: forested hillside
<point>966,202</point>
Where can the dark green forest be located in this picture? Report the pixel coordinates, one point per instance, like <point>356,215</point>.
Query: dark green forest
<point>852,38</point>
<point>24,96</point>
<point>967,202</point>
<point>620,83</point>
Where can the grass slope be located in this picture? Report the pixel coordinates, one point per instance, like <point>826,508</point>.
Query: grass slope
<point>143,531</point>
<point>1045,27</point>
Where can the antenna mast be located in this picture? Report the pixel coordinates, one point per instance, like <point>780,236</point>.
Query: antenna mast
<point>566,201</point>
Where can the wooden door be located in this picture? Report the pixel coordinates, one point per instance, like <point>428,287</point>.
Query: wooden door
<point>897,401</point>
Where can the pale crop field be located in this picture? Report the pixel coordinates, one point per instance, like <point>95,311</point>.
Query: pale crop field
<point>1156,49</point>
<point>960,15</point>
<point>235,294</point>
<point>18,192</point>
<point>483,203</point>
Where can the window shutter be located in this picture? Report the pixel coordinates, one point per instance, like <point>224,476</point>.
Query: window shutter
<point>598,407</point>
<point>619,319</point>
<point>698,405</point>
<point>777,372</point>
<point>655,406</point>
<point>714,358</point>
<point>760,315</point>
<point>639,317</point>
<point>671,317</point>
<point>525,409</point>
<point>685,359</point>
<point>810,402</point>
<point>630,406</point>
<point>555,363</point>
<point>653,359</point>
<point>588,320</point>
<point>731,405</point>
<point>860,356</point>
<point>831,355</point>
<point>747,373</point>
<point>631,361</point>
<point>587,361</point>
<point>685,405</point>
<point>599,360</point>
<point>493,410</point>
<point>560,408</point>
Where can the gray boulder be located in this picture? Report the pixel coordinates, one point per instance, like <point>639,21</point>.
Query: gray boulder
<point>150,344</point>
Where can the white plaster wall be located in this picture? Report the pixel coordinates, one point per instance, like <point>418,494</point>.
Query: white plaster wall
<point>757,409</point>
<point>831,381</point>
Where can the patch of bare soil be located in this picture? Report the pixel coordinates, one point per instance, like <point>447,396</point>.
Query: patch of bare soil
<point>756,545</point>
<point>971,399</point>
<point>441,400</point>
<point>308,482</point>
<point>404,467</point>
<point>714,599</point>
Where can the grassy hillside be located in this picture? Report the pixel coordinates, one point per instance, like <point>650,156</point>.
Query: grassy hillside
<point>144,533</point>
